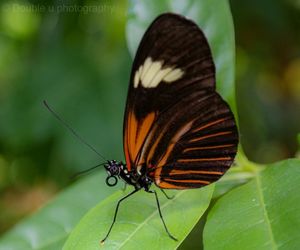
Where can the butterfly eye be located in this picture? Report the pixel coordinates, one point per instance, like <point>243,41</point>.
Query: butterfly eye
<point>111,181</point>
<point>113,168</point>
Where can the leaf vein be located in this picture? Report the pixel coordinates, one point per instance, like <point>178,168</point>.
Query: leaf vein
<point>265,212</point>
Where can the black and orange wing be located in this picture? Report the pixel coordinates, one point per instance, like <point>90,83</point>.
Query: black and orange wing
<point>174,120</point>
<point>194,149</point>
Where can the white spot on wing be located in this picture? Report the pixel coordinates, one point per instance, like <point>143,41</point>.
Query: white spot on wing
<point>137,76</point>
<point>173,75</point>
<point>136,79</point>
<point>160,75</point>
<point>150,74</point>
<point>154,69</point>
<point>147,64</point>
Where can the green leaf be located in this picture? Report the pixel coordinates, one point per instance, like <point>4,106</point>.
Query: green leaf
<point>51,225</point>
<point>138,222</point>
<point>262,214</point>
<point>240,173</point>
<point>212,16</point>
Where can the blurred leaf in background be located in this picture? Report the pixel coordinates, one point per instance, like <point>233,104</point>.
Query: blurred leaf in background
<point>268,77</point>
<point>73,55</point>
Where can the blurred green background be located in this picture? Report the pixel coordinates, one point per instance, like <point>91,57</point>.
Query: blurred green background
<point>77,60</point>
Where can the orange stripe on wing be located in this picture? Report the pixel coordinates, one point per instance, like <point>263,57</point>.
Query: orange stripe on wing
<point>205,159</point>
<point>129,140</point>
<point>208,147</point>
<point>127,155</point>
<point>181,172</point>
<point>131,133</point>
<point>188,181</point>
<point>211,135</point>
<point>143,130</point>
<point>137,131</point>
<point>166,185</point>
<point>210,124</point>
<point>173,142</point>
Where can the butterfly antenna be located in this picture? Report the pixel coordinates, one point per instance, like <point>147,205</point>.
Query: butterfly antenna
<point>86,171</point>
<point>72,130</point>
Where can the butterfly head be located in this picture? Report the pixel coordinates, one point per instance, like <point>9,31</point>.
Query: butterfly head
<point>113,169</point>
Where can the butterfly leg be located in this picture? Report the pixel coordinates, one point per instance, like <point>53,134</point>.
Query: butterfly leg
<point>116,212</point>
<point>160,214</point>
<point>167,196</point>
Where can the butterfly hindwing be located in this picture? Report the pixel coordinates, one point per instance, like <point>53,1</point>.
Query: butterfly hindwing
<point>172,103</point>
<point>197,148</point>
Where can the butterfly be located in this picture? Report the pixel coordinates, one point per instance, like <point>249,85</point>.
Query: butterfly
<point>178,131</point>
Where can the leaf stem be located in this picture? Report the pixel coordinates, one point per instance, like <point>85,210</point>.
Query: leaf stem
<point>243,168</point>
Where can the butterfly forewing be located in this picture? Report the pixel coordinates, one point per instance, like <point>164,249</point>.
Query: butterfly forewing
<point>176,126</point>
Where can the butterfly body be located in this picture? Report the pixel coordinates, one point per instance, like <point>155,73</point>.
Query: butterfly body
<point>115,169</point>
